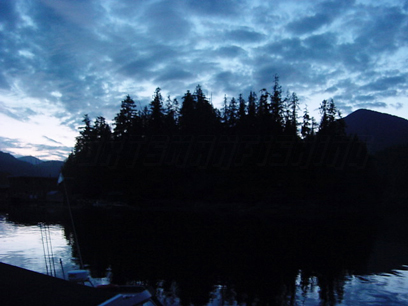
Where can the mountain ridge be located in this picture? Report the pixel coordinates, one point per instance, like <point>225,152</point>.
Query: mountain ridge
<point>31,160</point>
<point>379,130</point>
<point>15,167</point>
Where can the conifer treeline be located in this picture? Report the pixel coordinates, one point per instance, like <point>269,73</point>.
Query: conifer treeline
<point>271,114</point>
<point>167,148</point>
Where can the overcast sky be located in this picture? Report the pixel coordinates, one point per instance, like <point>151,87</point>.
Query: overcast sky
<point>61,59</point>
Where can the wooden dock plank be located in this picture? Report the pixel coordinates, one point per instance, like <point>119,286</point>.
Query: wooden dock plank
<point>19,286</point>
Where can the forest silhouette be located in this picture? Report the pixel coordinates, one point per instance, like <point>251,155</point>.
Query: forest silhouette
<point>262,150</point>
<point>264,198</point>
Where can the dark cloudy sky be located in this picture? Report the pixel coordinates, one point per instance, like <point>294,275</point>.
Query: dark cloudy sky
<point>61,59</point>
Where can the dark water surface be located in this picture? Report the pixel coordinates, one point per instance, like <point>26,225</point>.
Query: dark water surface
<point>223,258</point>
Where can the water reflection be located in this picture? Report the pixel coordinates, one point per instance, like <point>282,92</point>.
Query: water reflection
<point>228,259</point>
<point>256,258</point>
<point>22,246</point>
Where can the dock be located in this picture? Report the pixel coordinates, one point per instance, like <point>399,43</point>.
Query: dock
<point>19,286</point>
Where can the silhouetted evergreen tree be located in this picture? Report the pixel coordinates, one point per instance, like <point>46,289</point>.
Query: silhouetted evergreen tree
<point>187,114</point>
<point>241,107</point>
<point>331,122</point>
<point>83,162</point>
<point>85,137</point>
<point>101,130</point>
<point>171,116</point>
<point>205,114</point>
<point>242,120</point>
<point>225,113</point>
<point>197,115</point>
<point>156,120</point>
<point>276,107</point>
<point>90,139</point>
<point>232,114</point>
<point>263,113</point>
<point>252,113</point>
<point>125,120</point>
<point>292,105</point>
<point>306,129</point>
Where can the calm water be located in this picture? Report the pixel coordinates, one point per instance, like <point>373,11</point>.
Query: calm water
<point>225,259</point>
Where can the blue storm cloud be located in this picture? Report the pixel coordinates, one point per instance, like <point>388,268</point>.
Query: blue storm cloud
<point>93,53</point>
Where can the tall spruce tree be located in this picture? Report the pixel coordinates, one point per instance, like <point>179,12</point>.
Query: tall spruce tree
<point>241,107</point>
<point>327,118</point>
<point>242,122</point>
<point>101,129</point>
<point>263,113</point>
<point>306,128</point>
<point>225,112</point>
<point>252,114</point>
<point>86,136</point>
<point>171,115</point>
<point>233,113</point>
<point>205,115</point>
<point>125,120</point>
<point>277,107</point>
<point>331,122</point>
<point>292,105</point>
<point>156,122</point>
<point>187,114</point>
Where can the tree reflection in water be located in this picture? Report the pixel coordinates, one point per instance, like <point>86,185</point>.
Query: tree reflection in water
<point>250,259</point>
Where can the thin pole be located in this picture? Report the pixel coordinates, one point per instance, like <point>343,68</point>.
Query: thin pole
<point>51,252</point>
<point>62,268</point>
<point>45,253</point>
<point>81,264</point>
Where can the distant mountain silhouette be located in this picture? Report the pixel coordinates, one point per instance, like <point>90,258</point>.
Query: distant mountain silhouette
<point>50,168</point>
<point>379,130</point>
<point>31,159</point>
<point>13,166</point>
